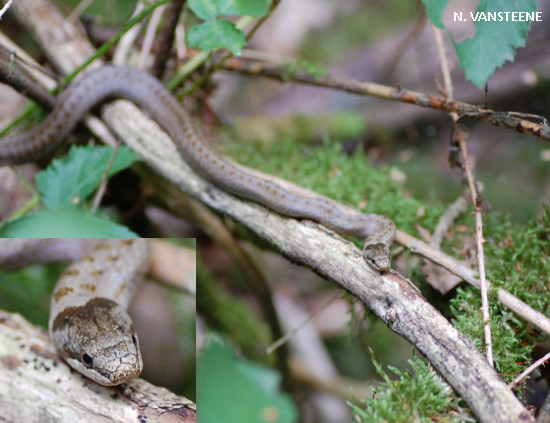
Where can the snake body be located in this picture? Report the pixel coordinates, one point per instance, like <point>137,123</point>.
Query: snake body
<point>150,95</point>
<point>88,324</point>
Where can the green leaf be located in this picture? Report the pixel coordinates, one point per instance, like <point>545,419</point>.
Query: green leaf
<point>67,181</point>
<point>434,11</point>
<point>65,224</point>
<point>205,9</point>
<point>253,395</point>
<point>215,34</point>
<point>244,7</point>
<point>494,42</point>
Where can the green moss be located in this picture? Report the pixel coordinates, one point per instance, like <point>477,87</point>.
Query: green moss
<point>417,396</point>
<point>517,261</point>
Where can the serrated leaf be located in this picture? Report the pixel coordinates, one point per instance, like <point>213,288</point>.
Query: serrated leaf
<point>215,34</point>
<point>244,7</point>
<point>205,9</point>
<point>434,11</point>
<point>254,394</point>
<point>65,224</point>
<point>494,42</point>
<point>67,181</point>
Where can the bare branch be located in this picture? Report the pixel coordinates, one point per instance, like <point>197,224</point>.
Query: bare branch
<point>534,125</point>
<point>5,8</point>
<point>529,370</point>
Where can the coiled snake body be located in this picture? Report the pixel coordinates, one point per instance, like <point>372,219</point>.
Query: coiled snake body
<point>149,94</point>
<point>88,324</point>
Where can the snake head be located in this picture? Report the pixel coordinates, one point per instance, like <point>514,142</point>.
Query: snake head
<point>98,339</point>
<point>378,256</point>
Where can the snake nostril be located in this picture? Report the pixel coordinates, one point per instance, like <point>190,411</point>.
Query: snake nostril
<point>87,360</point>
<point>135,341</point>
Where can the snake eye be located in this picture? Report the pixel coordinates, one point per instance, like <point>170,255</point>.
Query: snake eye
<point>86,359</point>
<point>135,341</point>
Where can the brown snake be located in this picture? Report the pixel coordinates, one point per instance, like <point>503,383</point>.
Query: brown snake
<point>149,94</point>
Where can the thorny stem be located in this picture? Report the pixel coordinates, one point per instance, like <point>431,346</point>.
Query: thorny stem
<point>520,122</point>
<point>529,370</point>
<point>476,201</point>
<point>483,285</point>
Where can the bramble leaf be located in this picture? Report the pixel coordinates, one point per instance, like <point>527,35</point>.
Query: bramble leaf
<point>67,181</point>
<point>434,10</point>
<point>244,7</point>
<point>495,42</point>
<point>216,34</point>
<point>205,9</point>
<point>64,224</point>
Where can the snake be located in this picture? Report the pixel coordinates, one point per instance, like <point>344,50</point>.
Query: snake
<point>88,324</point>
<point>148,93</point>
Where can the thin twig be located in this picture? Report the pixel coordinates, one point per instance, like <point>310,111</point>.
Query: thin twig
<point>12,73</point>
<point>166,37</point>
<point>508,120</point>
<point>483,286</point>
<point>297,328</point>
<point>411,37</point>
<point>461,139</point>
<point>149,36</point>
<point>103,184</point>
<point>5,8</point>
<point>31,203</point>
<point>529,370</point>
<point>127,39</point>
<point>447,219</point>
<point>78,10</point>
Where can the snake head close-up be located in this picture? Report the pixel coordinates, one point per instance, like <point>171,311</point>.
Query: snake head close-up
<point>98,340</point>
<point>378,256</point>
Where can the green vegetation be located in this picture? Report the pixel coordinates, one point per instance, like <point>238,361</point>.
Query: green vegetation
<point>496,39</point>
<point>216,32</point>
<point>225,380</point>
<point>418,396</point>
<point>516,256</point>
<point>64,186</point>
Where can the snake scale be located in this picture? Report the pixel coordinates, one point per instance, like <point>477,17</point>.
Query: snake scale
<point>88,324</point>
<point>150,95</point>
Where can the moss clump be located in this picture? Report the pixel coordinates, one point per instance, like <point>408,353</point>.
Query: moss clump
<point>517,261</point>
<point>417,396</point>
